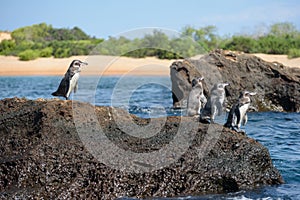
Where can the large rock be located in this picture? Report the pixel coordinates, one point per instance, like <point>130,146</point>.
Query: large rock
<point>43,156</point>
<point>277,86</point>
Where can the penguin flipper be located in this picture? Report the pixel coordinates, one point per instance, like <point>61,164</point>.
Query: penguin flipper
<point>231,117</point>
<point>238,116</point>
<point>62,88</point>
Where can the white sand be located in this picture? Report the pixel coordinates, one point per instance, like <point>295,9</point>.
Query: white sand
<point>105,65</point>
<point>295,62</point>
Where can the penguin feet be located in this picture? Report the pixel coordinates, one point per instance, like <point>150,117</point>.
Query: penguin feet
<point>242,132</point>
<point>204,120</point>
<point>235,128</point>
<point>238,130</point>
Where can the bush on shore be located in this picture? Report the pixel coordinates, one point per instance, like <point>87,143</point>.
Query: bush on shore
<point>46,52</point>
<point>28,55</point>
<point>294,53</point>
<point>44,41</point>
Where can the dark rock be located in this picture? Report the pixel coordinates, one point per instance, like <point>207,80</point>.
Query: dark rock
<point>182,73</point>
<point>277,86</point>
<point>43,157</point>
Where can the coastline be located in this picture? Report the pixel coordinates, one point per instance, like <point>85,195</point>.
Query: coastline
<point>98,65</point>
<point>106,65</point>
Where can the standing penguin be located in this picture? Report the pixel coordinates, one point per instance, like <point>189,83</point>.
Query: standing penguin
<point>70,81</point>
<point>238,111</point>
<point>196,99</point>
<point>214,105</point>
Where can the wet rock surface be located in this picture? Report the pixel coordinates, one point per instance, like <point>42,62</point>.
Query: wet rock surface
<point>277,86</point>
<point>42,156</point>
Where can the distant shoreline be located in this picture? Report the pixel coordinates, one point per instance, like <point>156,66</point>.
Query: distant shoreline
<point>105,65</point>
<point>98,65</point>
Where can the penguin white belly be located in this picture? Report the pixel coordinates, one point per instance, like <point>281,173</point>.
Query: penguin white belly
<point>73,83</point>
<point>194,103</point>
<point>243,109</point>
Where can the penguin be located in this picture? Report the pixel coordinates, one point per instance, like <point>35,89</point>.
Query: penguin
<point>214,105</point>
<point>238,112</point>
<point>69,82</point>
<point>196,99</point>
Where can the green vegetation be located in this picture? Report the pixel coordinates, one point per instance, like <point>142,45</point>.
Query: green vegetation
<point>42,40</point>
<point>279,40</point>
<point>294,53</point>
<point>46,52</point>
<point>7,47</point>
<point>28,55</point>
<point>157,44</point>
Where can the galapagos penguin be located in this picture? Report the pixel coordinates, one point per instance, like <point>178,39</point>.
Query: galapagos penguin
<point>238,112</point>
<point>69,82</point>
<point>214,105</point>
<point>196,99</point>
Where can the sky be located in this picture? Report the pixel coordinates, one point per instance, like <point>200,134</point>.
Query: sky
<point>104,18</point>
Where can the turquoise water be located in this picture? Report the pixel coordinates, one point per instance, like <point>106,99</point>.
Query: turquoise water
<point>151,97</point>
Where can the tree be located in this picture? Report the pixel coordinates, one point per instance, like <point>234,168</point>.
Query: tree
<point>156,40</point>
<point>283,29</point>
<point>188,31</point>
<point>205,36</point>
<point>34,33</point>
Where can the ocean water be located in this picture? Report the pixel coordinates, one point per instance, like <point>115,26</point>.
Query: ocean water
<point>151,97</point>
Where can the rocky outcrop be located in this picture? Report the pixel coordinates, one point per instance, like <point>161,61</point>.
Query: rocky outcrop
<point>277,86</point>
<point>42,155</point>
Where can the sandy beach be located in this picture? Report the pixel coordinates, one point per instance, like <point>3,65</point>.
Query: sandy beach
<point>98,65</point>
<point>295,62</point>
<point>105,65</point>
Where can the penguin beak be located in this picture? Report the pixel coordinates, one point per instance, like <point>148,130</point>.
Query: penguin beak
<point>83,64</point>
<point>225,84</point>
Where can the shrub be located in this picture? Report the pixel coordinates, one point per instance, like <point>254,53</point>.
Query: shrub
<point>6,46</point>
<point>242,43</point>
<point>46,52</point>
<point>28,55</point>
<point>274,45</point>
<point>282,38</point>
<point>62,53</point>
<point>294,53</point>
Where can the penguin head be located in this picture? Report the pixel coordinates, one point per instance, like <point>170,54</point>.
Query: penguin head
<point>244,97</point>
<point>247,94</point>
<point>220,86</point>
<point>77,64</point>
<point>197,81</point>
